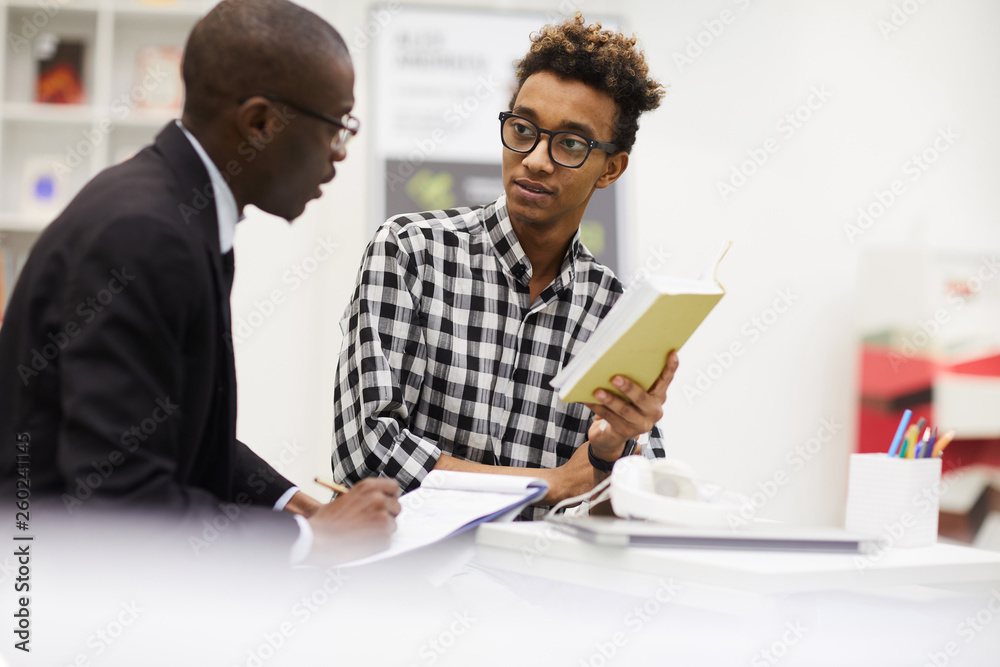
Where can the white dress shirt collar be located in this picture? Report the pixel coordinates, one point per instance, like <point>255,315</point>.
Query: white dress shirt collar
<point>225,202</point>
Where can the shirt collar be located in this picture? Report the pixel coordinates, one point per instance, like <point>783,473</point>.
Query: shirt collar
<point>225,202</point>
<point>512,256</point>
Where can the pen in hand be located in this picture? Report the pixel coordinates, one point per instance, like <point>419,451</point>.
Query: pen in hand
<point>333,486</point>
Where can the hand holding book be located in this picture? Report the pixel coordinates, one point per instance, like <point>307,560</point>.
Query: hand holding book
<point>620,419</point>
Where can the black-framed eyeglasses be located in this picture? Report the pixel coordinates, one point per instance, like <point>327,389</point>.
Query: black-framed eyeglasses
<point>567,149</point>
<point>348,124</point>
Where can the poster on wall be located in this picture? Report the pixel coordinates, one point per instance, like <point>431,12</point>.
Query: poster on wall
<point>439,79</point>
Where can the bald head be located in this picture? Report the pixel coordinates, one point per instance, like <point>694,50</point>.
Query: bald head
<point>248,47</point>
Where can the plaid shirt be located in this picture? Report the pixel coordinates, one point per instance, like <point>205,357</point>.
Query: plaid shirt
<point>444,353</point>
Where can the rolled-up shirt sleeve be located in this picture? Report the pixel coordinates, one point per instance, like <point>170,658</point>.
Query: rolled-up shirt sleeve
<point>655,447</point>
<point>381,370</point>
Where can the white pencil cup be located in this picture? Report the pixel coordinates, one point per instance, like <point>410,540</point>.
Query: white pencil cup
<point>894,499</point>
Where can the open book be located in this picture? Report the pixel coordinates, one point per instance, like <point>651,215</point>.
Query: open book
<point>449,502</point>
<point>657,314</point>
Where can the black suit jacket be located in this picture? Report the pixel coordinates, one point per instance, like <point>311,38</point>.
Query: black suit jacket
<point>116,358</point>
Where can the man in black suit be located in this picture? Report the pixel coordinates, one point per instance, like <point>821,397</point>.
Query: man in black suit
<point>116,364</point>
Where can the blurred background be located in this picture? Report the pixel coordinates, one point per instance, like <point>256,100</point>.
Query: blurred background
<point>851,151</point>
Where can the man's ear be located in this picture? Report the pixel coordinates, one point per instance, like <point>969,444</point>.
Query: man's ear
<point>613,170</point>
<point>253,116</point>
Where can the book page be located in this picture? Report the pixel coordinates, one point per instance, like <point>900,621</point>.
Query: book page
<point>711,271</point>
<point>429,515</point>
<point>475,481</point>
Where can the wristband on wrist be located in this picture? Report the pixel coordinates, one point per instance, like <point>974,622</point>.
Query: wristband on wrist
<point>607,466</point>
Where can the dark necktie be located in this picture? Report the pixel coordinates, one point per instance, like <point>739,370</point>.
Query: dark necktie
<point>229,269</point>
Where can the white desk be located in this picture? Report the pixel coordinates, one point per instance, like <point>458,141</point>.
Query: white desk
<point>538,548</point>
<point>539,609</point>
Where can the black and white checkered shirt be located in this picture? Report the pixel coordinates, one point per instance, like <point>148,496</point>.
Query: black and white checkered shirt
<point>444,353</point>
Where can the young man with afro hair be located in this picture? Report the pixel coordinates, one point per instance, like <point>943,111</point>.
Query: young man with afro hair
<point>460,318</point>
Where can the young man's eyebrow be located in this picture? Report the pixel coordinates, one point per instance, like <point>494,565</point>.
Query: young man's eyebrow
<point>575,126</point>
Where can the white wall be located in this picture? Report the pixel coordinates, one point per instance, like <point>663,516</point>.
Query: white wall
<point>887,98</point>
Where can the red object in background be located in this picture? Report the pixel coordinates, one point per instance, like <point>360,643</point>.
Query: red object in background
<point>892,382</point>
<point>60,78</point>
<point>889,376</point>
<point>984,366</point>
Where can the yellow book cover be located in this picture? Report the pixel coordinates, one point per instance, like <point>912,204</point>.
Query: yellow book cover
<point>655,316</point>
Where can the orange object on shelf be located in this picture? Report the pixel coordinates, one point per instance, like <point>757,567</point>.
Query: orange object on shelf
<point>60,77</point>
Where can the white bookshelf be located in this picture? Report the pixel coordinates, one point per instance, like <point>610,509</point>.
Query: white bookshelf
<point>112,31</point>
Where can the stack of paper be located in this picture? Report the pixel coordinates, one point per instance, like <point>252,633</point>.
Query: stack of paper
<point>448,503</point>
